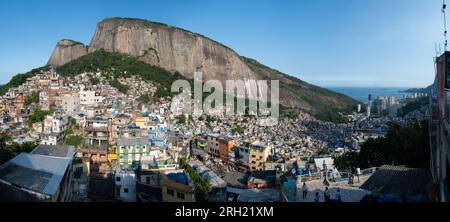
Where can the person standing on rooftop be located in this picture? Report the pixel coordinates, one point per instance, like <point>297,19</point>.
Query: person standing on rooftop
<point>304,190</point>
<point>327,195</point>
<point>358,172</point>
<point>339,195</point>
<point>317,197</point>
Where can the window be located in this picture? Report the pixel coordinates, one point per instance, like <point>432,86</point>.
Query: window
<point>170,192</point>
<point>180,195</point>
<point>125,190</point>
<point>147,180</point>
<point>118,179</point>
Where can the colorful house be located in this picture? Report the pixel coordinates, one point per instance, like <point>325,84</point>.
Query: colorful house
<point>131,149</point>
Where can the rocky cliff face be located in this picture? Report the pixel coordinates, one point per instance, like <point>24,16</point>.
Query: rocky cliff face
<point>171,48</point>
<point>66,51</point>
<point>175,49</point>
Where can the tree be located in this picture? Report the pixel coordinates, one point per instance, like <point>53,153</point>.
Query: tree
<point>121,87</point>
<point>94,81</point>
<point>182,119</point>
<point>402,145</point>
<point>346,160</point>
<point>20,148</point>
<point>38,116</point>
<point>33,98</point>
<point>202,184</point>
<point>144,99</point>
<point>238,129</point>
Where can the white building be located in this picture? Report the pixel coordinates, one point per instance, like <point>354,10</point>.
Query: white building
<point>53,131</point>
<point>90,98</point>
<point>70,103</point>
<point>125,181</point>
<point>44,102</point>
<point>52,139</point>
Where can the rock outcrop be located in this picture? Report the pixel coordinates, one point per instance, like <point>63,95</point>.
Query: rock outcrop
<point>171,48</point>
<point>65,51</point>
<point>175,49</point>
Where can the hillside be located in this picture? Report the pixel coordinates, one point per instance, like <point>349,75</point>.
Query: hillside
<point>21,78</point>
<point>120,65</point>
<point>156,51</point>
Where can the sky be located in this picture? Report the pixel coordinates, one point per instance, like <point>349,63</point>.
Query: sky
<point>351,43</point>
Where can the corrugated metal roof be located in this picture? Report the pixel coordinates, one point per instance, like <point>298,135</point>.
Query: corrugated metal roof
<point>39,172</point>
<point>398,180</point>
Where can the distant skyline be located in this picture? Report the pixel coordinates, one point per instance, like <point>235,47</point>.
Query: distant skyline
<point>351,43</point>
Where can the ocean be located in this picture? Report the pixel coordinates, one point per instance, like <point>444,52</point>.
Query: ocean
<point>362,93</point>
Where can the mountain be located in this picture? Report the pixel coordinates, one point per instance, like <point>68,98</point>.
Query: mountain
<point>427,89</point>
<point>178,50</point>
<point>65,51</point>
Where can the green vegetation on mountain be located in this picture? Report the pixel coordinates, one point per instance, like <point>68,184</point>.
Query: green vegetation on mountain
<point>144,99</point>
<point>412,105</point>
<point>94,81</point>
<point>38,116</point>
<point>33,98</point>
<point>121,65</point>
<point>19,79</point>
<point>403,145</point>
<point>121,87</point>
<point>319,102</point>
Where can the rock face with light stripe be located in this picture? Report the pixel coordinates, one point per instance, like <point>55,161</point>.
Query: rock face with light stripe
<point>176,49</point>
<point>65,51</point>
<point>171,48</point>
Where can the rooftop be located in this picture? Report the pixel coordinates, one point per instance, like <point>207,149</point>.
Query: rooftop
<point>202,170</point>
<point>55,151</point>
<point>133,141</point>
<point>399,180</point>
<point>40,171</point>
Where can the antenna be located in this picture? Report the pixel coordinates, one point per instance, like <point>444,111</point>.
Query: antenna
<point>435,50</point>
<point>444,7</point>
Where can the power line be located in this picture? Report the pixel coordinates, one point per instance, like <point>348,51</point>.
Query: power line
<point>444,7</point>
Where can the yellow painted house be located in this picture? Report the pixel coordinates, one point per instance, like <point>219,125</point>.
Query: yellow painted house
<point>176,186</point>
<point>142,122</point>
<point>259,152</point>
<point>113,155</point>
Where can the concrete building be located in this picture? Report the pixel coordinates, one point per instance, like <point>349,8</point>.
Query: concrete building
<point>44,175</point>
<point>125,183</point>
<point>97,133</point>
<point>259,152</point>
<point>44,101</point>
<point>212,144</point>
<point>225,145</point>
<point>142,122</point>
<point>177,186</point>
<point>70,103</point>
<point>439,128</point>
<point>240,156</point>
<point>148,180</point>
<point>90,98</point>
<point>132,149</point>
<point>53,131</point>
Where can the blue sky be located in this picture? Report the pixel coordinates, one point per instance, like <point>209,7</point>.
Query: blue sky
<point>376,43</point>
